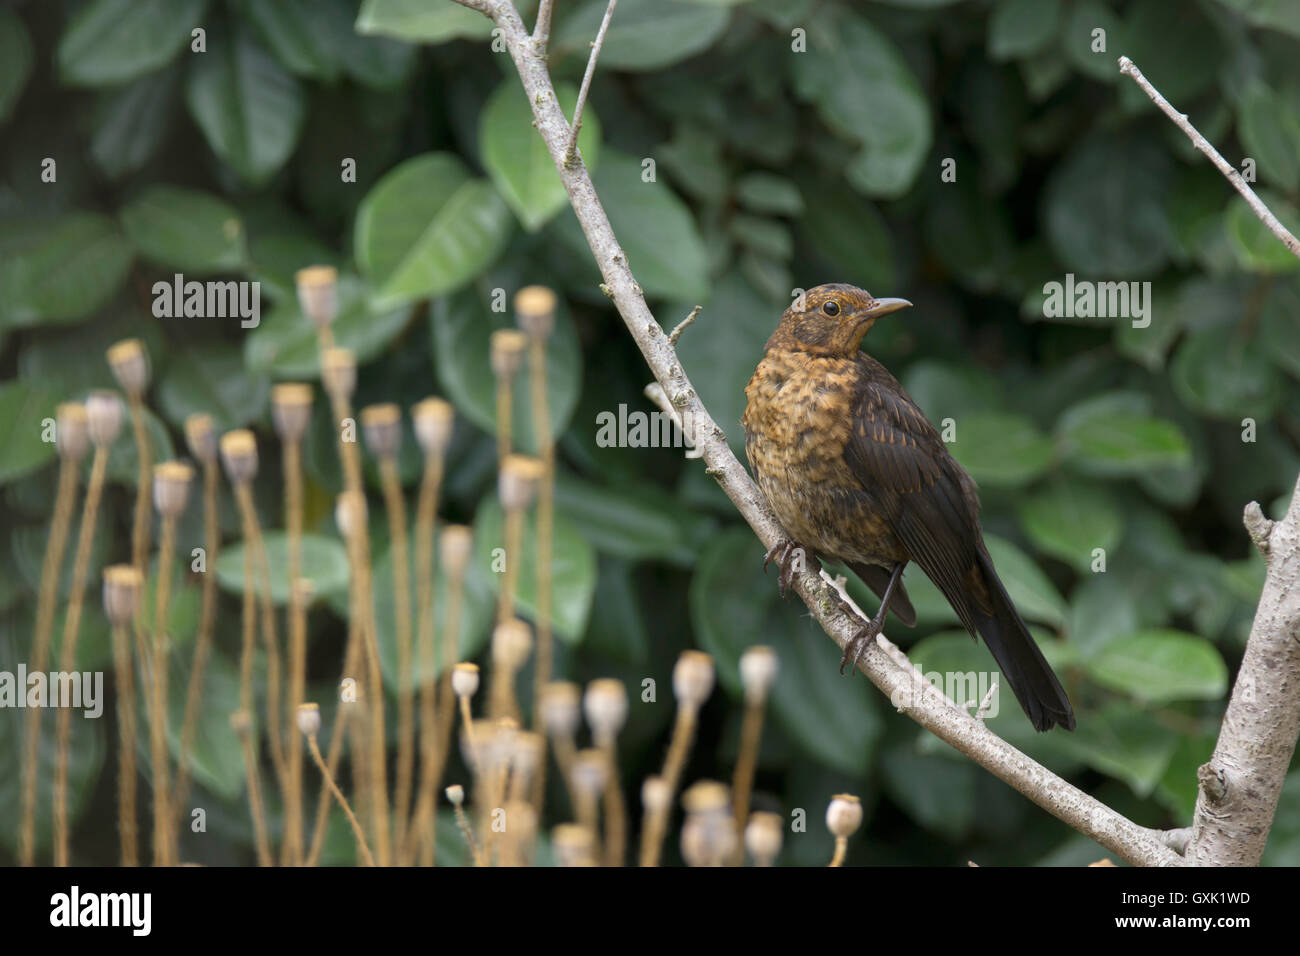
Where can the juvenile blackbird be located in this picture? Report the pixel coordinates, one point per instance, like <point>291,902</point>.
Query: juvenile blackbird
<point>855,472</point>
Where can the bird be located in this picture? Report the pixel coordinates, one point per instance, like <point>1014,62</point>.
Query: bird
<point>854,472</point>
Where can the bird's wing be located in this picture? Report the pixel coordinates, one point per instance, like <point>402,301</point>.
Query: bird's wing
<point>901,462</point>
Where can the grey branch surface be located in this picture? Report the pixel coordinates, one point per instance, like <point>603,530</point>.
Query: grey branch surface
<point>1239,788</point>
<point>930,709</point>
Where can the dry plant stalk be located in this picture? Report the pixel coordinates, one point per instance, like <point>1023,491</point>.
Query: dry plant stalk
<point>308,721</point>
<point>506,355</point>
<point>201,436</point>
<point>843,817</point>
<point>123,586</point>
<point>241,722</point>
<point>535,315</point>
<point>605,704</point>
<point>291,414</point>
<point>103,421</point>
<point>382,427</point>
<point>130,365</point>
<point>72,441</point>
<point>758,666</point>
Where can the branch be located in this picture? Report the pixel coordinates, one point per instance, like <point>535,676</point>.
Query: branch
<point>1089,816</point>
<point>1129,68</point>
<point>1239,787</point>
<point>571,152</point>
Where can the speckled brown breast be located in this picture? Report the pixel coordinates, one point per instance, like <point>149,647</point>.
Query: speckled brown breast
<point>797,422</point>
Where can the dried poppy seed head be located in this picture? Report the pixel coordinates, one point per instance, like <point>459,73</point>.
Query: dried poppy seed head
<point>758,666</point>
<point>707,796</point>
<point>573,844</point>
<point>517,483</point>
<point>464,679</point>
<point>455,794</point>
<point>308,719</point>
<point>130,365</point>
<point>561,708</point>
<point>844,815</point>
<point>535,310</point>
<point>526,756</point>
<point>455,545</point>
<point>590,772</point>
<point>291,409</point>
<point>338,372</point>
<point>693,678</point>
<point>433,420</point>
<point>350,513</point>
<point>122,587</point>
<point>381,426</point>
<point>103,418</point>
<point>507,348</point>
<point>605,704</point>
<point>241,723</point>
<point>171,487</point>
<point>655,793</point>
<point>71,430</point>
<point>201,437</point>
<point>763,835</point>
<point>318,293</point>
<point>512,642</point>
<point>239,455</point>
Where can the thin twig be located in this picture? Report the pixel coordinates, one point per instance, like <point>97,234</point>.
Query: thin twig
<point>683,325</point>
<point>1129,68</point>
<point>542,31</point>
<point>576,127</point>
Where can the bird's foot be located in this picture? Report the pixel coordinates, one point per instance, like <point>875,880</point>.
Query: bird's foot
<point>857,643</point>
<point>790,556</point>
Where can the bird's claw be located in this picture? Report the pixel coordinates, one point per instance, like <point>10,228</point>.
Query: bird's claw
<point>790,557</point>
<point>853,649</point>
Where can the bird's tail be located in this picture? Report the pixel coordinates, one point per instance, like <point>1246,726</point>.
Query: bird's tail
<point>1022,663</point>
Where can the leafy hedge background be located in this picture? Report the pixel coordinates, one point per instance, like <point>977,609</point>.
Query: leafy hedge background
<point>773,169</point>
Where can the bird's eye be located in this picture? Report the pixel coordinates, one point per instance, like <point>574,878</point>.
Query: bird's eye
<point>831,308</point>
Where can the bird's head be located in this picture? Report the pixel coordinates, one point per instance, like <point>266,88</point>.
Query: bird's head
<point>831,320</point>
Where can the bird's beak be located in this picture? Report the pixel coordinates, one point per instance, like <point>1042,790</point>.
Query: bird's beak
<point>884,306</point>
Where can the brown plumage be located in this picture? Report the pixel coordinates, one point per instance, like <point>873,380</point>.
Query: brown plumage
<point>855,472</point>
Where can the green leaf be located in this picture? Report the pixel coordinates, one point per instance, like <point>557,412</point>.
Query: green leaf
<point>324,562</point>
<point>934,790</point>
<point>1069,518</point>
<point>216,758</point>
<point>1021,28</point>
<point>250,109</point>
<point>1125,743</point>
<point>1220,372</point>
<point>1160,666</point>
<point>850,234</point>
<point>517,159</point>
<point>113,41</point>
<point>304,35</point>
<point>1102,608</point>
<point>865,92</point>
<point>1000,449</point>
<point>123,462</point>
<point>1256,248</point>
<point>421,22</point>
<point>462,330</point>
<point>1270,133</point>
<point>72,268</point>
<point>634,523</point>
<point>1118,442</point>
<point>213,380</point>
<point>1279,327</point>
<point>1080,42</point>
<point>734,607</point>
<point>23,408</point>
<point>1030,589</point>
<point>643,34</point>
<point>573,567</point>
<point>769,193</point>
<point>131,122</point>
<point>1105,208</point>
<point>15,61</point>
<point>185,229</point>
<point>654,227</point>
<point>285,342</point>
<point>427,228</point>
